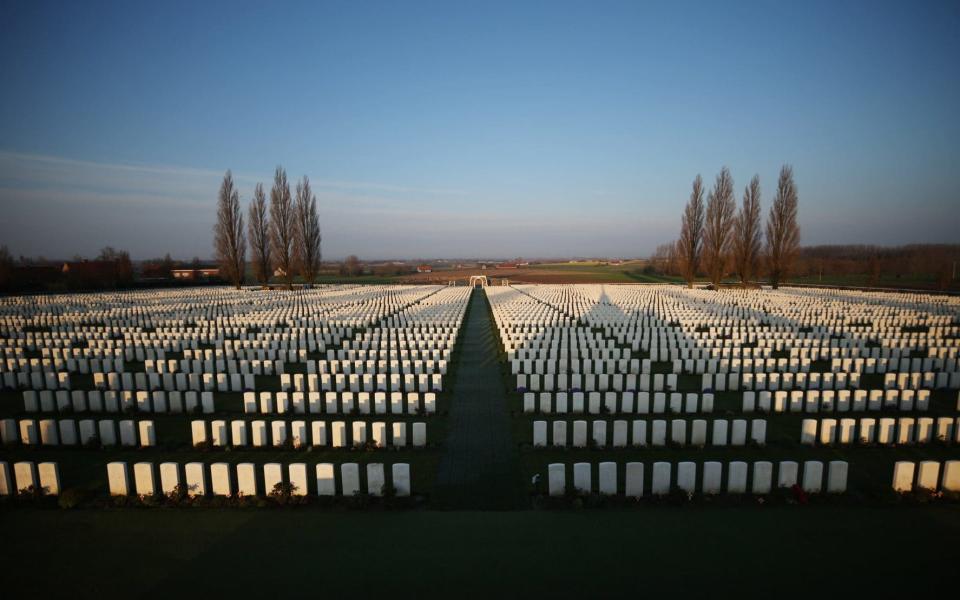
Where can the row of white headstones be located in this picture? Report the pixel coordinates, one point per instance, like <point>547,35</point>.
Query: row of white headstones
<point>224,479</point>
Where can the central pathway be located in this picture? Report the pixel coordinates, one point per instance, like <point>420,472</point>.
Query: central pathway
<point>480,466</point>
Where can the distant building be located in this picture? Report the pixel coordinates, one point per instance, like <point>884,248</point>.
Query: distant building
<point>199,274</point>
<point>424,269</point>
<point>89,268</point>
<point>509,265</point>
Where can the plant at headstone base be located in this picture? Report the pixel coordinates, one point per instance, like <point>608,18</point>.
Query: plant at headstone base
<point>120,501</point>
<point>388,492</point>
<point>282,492</point>
<point>71,498</point>
<point>359,499</point>
<point>799,495</point>
<point>180,494</point>
<point>31,493</point>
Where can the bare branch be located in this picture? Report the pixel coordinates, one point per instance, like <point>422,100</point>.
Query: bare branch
<point>747,241</point>
<point>259,235</point>
<point>718,225</point>
<point>783,233</point>
<point>230,242</point>
<point>307,231</point>
<point>690,244</point>
<point>282,226</point>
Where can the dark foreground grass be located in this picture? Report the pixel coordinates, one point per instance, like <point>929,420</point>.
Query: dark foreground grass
<point>816,551</point>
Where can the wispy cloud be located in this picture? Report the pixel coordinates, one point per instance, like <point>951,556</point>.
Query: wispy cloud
<point>61,206</point>
<point>44,169</point>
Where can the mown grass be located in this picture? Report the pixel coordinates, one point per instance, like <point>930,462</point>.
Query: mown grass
<point>744,551</point>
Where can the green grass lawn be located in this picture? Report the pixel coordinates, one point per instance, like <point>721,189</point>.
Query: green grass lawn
<point>593,271</point>
<point>743,551</point>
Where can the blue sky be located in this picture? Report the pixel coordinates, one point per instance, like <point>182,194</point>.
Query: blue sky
<point>473,128</point>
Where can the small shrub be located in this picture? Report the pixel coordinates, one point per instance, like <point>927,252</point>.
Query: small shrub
<point>282,492</point>
<point>70,498</point>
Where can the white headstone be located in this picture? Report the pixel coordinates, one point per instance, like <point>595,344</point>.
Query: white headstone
<point>738,432</point>
<point>7,485</point>
<point>687,476</point>
<point>579,434</point>
<point>633,484</point>
<point>903,472</point>
<point>837,477</point>
<point>787,473</point>
<point>272,477</point>
<point>419,434</point>
<point>326,485</point>
<point>195,479</point>
<point>400,475</point>
<point>581,477</point>
<point>658,435</point>
<point>712,477</point>
<point>661,478</point>
<point>144,479</point>
<point>49,475</point>
<point>737,477</point>
<point>608,478</point>
<point>118,479</point>
<point>375,479</point>
<point>719,432</point>
<point>928,475</point>
<point>762,477</point>
<point>350,478</point>
<point>812,476</point>
<point>951,476</point>
<point>220,482</point>
<point>539,434</point>
<point>299,485</point>
<point>169,477</point>
<point>557,479</point>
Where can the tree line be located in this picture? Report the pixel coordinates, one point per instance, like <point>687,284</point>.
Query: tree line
<point>717,239</point>
<point>284,237</point>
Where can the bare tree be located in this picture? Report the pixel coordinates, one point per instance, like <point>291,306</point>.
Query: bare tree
<point>690,243</point>
<point>718,226</point>
<point>783,233</point>
<point>260,236</point>
<point>747,240</point>
<point>307,231</point>
<point>229,241</point>
<point>351,266</point>
<point>282,226</point>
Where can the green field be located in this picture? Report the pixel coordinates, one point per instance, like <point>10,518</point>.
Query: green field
<point>628,272</point>
<point>743,551</point>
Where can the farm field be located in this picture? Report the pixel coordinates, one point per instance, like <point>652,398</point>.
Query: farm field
<point>556,273</point>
